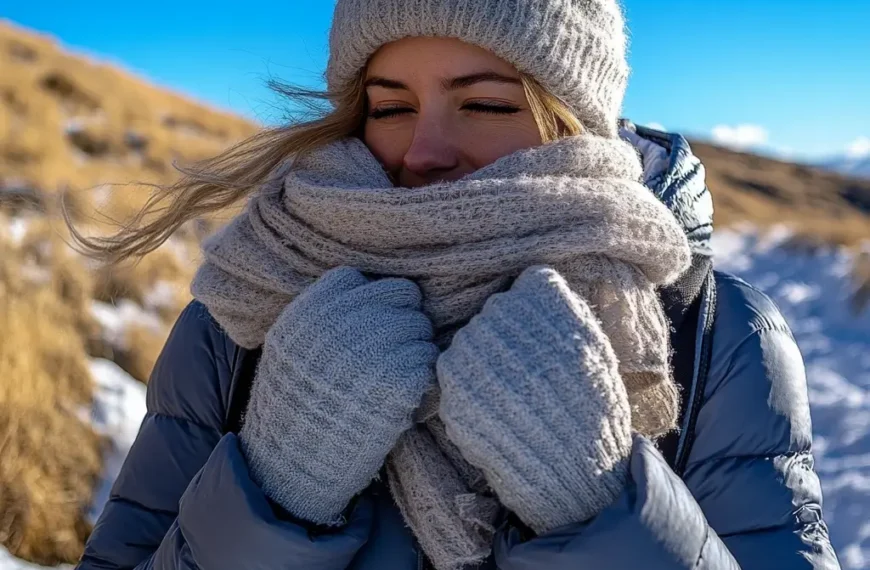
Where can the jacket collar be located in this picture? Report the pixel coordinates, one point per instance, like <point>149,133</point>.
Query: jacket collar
<point>677,177</point>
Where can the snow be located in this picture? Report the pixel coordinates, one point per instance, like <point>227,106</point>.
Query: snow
<point>18,229</point>
<point>161,296</point>
<point>117,412</point>
<point>116,318</point>
<point>14,229</point>
<point>101,195</point>
<point>814,291</point>
<point>855,166</point>
<point>119,399</point>
<point>855,161</point>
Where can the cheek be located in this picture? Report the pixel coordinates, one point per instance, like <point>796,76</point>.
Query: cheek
<point>388,143</point>
<point>486,142</point>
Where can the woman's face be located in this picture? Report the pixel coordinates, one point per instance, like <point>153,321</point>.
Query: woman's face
<point>439,109</point>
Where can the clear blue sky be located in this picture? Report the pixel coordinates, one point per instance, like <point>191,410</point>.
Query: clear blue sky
<point>799,69</point>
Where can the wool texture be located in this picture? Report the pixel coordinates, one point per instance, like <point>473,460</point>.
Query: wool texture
<point>575,205</point>
<point>534,374</point>
<point>310,444</point>
<point>575,48</point>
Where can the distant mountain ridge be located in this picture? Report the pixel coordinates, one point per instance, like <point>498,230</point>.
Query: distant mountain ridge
<point>857,166</point>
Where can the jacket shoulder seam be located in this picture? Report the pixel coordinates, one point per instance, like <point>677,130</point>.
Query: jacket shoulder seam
<point>178,418</point>
<point>142,507</point>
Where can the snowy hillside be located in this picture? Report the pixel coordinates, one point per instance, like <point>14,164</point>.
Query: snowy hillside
<point>814,290</point>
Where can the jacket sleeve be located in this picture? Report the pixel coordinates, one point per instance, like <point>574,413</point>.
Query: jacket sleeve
<point>751,467</point>
<point>184,499</point>
<point>749,497</point>
<point>654,524</point>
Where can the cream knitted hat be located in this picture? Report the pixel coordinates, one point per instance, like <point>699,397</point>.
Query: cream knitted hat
<point>575,48</point>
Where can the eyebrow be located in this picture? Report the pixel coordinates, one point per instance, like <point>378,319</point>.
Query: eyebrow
<point>451,84</point>
<point>474,78</point>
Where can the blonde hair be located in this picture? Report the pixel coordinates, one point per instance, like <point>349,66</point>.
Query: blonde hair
<point>215,184</point>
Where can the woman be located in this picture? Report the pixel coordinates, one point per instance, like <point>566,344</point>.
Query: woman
<point>459,303</point>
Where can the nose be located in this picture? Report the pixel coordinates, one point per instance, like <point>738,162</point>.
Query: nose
<point>432,156</point>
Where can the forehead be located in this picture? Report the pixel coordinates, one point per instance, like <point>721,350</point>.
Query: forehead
<point>422,59</point>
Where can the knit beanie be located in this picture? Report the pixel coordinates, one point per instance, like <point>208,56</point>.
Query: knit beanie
<point>576,49</point>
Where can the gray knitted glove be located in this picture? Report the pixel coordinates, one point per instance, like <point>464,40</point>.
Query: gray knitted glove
<point>531,395</point>
<point>343,369</point>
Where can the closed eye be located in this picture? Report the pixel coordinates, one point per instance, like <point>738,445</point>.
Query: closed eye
<point>387,112</point>
<point>491,109</point>
<point>486,108</point>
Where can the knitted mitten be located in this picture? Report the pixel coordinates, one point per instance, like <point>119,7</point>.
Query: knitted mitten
<point>531,395</point>
<point>343,369</point>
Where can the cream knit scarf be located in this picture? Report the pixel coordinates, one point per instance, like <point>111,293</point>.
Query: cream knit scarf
<point>574,204</point>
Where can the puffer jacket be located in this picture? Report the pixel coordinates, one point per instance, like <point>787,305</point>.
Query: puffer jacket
<point>739,492</point>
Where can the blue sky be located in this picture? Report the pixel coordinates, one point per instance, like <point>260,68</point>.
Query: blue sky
<point>790,76</point>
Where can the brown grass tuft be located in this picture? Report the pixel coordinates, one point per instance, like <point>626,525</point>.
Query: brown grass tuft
<point>142,346</point>
<point>134,281</point>
<point>51,459</point>
<point>158,283</point>
<point>861,275</point>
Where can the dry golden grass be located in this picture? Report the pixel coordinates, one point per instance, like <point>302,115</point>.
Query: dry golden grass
<point>135,281</point>
<point>861,300</point>
<point>142,346</point>
<point>51,459</point>
<point>818,205</point>
<point>69,122</point>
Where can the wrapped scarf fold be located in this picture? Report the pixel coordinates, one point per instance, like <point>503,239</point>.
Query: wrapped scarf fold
<point>575,204</point>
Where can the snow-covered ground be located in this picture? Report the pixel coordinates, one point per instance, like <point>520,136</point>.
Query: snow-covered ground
<point>118,409</point>
<point>116,319</point>
<point>814,291</point>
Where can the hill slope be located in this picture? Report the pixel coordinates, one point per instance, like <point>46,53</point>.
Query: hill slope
<point>67,122</point>
<point>824,206</point>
